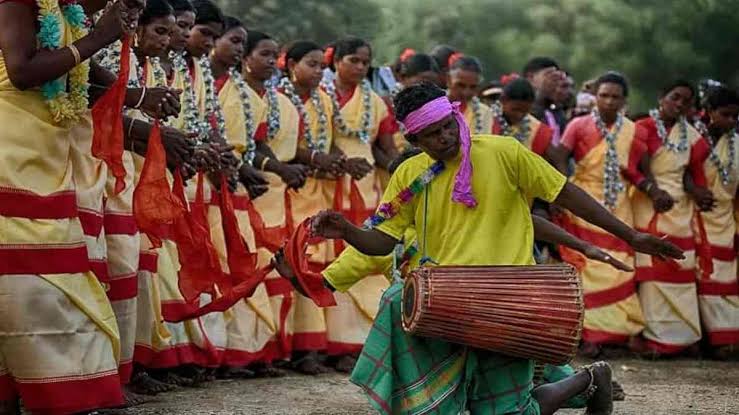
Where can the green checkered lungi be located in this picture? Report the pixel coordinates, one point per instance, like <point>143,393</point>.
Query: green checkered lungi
<point>403,374</point>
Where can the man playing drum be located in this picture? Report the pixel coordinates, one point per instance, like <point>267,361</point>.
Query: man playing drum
<point>463,218</point>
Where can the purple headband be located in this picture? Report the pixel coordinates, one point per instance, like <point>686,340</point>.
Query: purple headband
<point>435,111</point>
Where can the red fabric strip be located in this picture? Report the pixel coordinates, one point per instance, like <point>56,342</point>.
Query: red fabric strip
<point>667,349</point>
<point>610,296</point>
<point>723,337</point>
<point>310,341</point>
<point>148,261</point>
<point>50,396</point>
<point>236,358</point>
<point>311,282</point>
<point>341,349</point>
<point>715,288</point>
<point>181,354</point>
<point>542,139</point>
<point>24,204</point>
<point>599,239</point>
<point>7,389</point>
<point>92,222</point>
<point>41,260</point>
<point>119,224</point>
<point>107,115</point>
<point>122,289</point>
<point>125,370</point>
<point>100,269</point>
<point>662,272</point>
<point>603,337</point>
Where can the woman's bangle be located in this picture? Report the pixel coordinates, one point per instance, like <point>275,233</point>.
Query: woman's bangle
<point>141,99</point>
<point>264,163</point>
<point>648,187</point>
<point>312,156</point>
<point>75,53</point>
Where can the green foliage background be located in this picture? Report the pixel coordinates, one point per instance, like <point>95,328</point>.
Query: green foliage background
<point>651,41</point>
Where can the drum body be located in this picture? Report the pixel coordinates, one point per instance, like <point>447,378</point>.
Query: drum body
<point>531,312</point>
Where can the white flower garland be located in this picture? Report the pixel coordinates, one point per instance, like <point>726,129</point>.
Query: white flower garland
<point>612,184</point>
<point>477,115</point>
<point>273,110</point>
<point>251,147</point>
<point>317,143</point>
<point>682,144</point>
<point>212,105</point>
<point>366,120</point>
<point>524,127</point>
<point>190,110</point>
<point>725,170</point>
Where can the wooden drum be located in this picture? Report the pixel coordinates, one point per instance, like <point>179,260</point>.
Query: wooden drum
<point>532,312</point>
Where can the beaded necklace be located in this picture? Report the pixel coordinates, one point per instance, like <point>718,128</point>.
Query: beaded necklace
<point>66,105</point>
<point>366,119</point>
<point>313,143</point>
<point>476,115</point>
<point>682,144</point>
<point>212,105</point>
<point>251,147</point>
<point>389,209</point>
<point>725,170</point>
<point>273,110</point>
<point>612,184</point>
<point>524,127</point>
<point>190,110</point>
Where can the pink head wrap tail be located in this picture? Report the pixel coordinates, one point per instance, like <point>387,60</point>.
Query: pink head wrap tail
<point>435,111</point>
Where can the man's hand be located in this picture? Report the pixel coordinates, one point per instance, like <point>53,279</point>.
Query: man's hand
<point>357,167</point>
<point>662,200</point>
<point>596,254</point>
<point>651,245</point>
<point>329,225</point>
<point>703,198</point>
<point>161,102</point>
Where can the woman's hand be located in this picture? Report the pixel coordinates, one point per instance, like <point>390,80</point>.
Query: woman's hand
<point>357,167</point>
<point>178,146</point>
<point>253,181</point>
<point>703,198</point>
<point>293,175</point>
<point>662,200</point>
<point>161,103</point>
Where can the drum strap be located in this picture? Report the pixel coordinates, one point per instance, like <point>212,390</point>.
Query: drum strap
<point>425,259</point>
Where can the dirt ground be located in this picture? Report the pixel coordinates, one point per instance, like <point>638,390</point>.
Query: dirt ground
<point>677,387</point>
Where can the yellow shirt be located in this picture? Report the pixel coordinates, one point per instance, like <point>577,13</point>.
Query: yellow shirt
<point>499,230</point>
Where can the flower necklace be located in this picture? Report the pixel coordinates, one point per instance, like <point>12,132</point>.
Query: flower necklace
<point>190,109</point>
<point>612,184</point>
<point>65,107</point>
<point>725,170</point>
<point>212,105</point>
<point>682,144</point>
<point>366,120</point>
<point>477,115</point>
<point>318,144</point>
<point>524,127</point>
<point>389,209</point>
<point>251,147</point>
<point>273,110</point>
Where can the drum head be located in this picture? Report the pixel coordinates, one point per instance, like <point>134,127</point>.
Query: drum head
<point>409,302</point>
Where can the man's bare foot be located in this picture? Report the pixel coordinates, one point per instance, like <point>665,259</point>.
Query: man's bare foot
<point>345,364</point>
<point>309,365</point>
<point>234,373</point>
<point>601,402</point>
<point>619,394</point>
<point>143,384</point>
